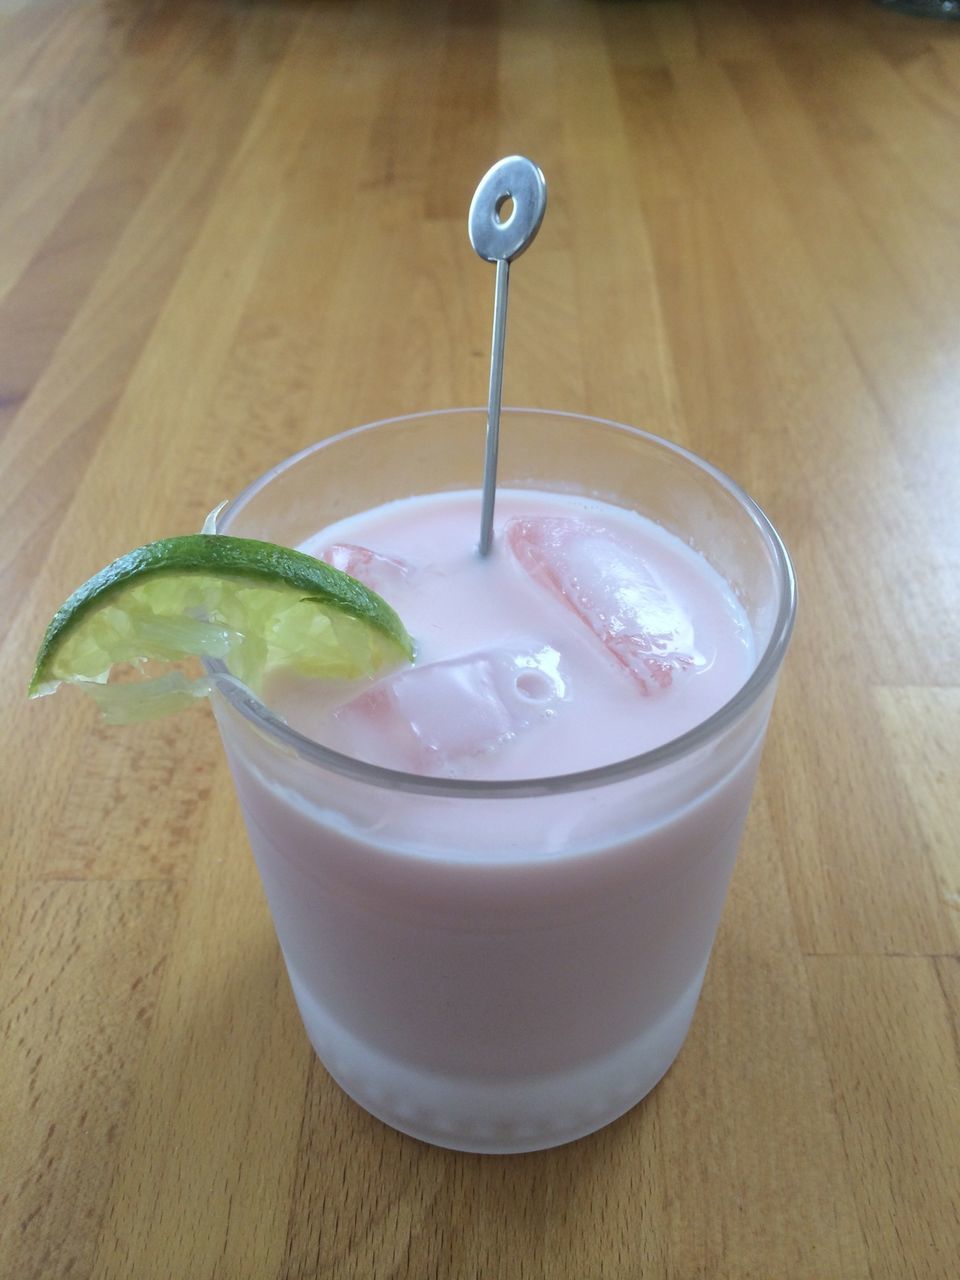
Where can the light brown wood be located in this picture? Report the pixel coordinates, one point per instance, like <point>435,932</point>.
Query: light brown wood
<point>227,230</point>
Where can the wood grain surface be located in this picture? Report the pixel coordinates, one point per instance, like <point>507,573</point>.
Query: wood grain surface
<point>229,229</point>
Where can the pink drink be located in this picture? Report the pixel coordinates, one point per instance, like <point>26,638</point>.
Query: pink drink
<point>514,677</point>
<point>492,948</point>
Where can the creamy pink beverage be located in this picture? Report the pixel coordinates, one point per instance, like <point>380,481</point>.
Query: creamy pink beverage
<point>588,635</point>
<point>496,875</point>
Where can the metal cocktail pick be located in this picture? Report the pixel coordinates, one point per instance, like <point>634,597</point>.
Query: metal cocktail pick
<point>500,239</point>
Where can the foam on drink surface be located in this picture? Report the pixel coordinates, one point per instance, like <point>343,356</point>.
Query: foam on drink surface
<point>589,635</point>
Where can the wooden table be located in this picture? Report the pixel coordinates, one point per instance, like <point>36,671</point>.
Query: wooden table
<point>227,230</point>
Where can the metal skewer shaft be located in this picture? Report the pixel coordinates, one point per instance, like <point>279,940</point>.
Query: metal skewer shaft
<point>500,239</point>
<point>494,401</point>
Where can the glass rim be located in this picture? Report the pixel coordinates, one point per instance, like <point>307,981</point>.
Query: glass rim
<point>246,702</point>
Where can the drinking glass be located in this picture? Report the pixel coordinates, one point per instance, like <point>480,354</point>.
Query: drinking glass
<point>504,966</point>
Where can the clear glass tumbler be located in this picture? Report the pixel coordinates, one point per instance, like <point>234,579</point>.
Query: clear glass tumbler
<point>505,966</point>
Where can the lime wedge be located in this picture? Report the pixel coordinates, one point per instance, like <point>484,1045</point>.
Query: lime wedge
<point>252,604</point>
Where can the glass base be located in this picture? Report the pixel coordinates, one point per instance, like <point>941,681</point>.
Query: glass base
<point>498,1117</point>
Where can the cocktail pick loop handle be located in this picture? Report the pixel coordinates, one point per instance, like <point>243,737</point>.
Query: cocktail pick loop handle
<point>500,237</point>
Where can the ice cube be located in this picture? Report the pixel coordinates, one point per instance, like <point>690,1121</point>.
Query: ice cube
<point>372,568</point>
<point>429,719</point>
<point>611,587</point>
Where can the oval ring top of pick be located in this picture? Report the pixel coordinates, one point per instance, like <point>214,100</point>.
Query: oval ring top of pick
<point>499,236</point>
